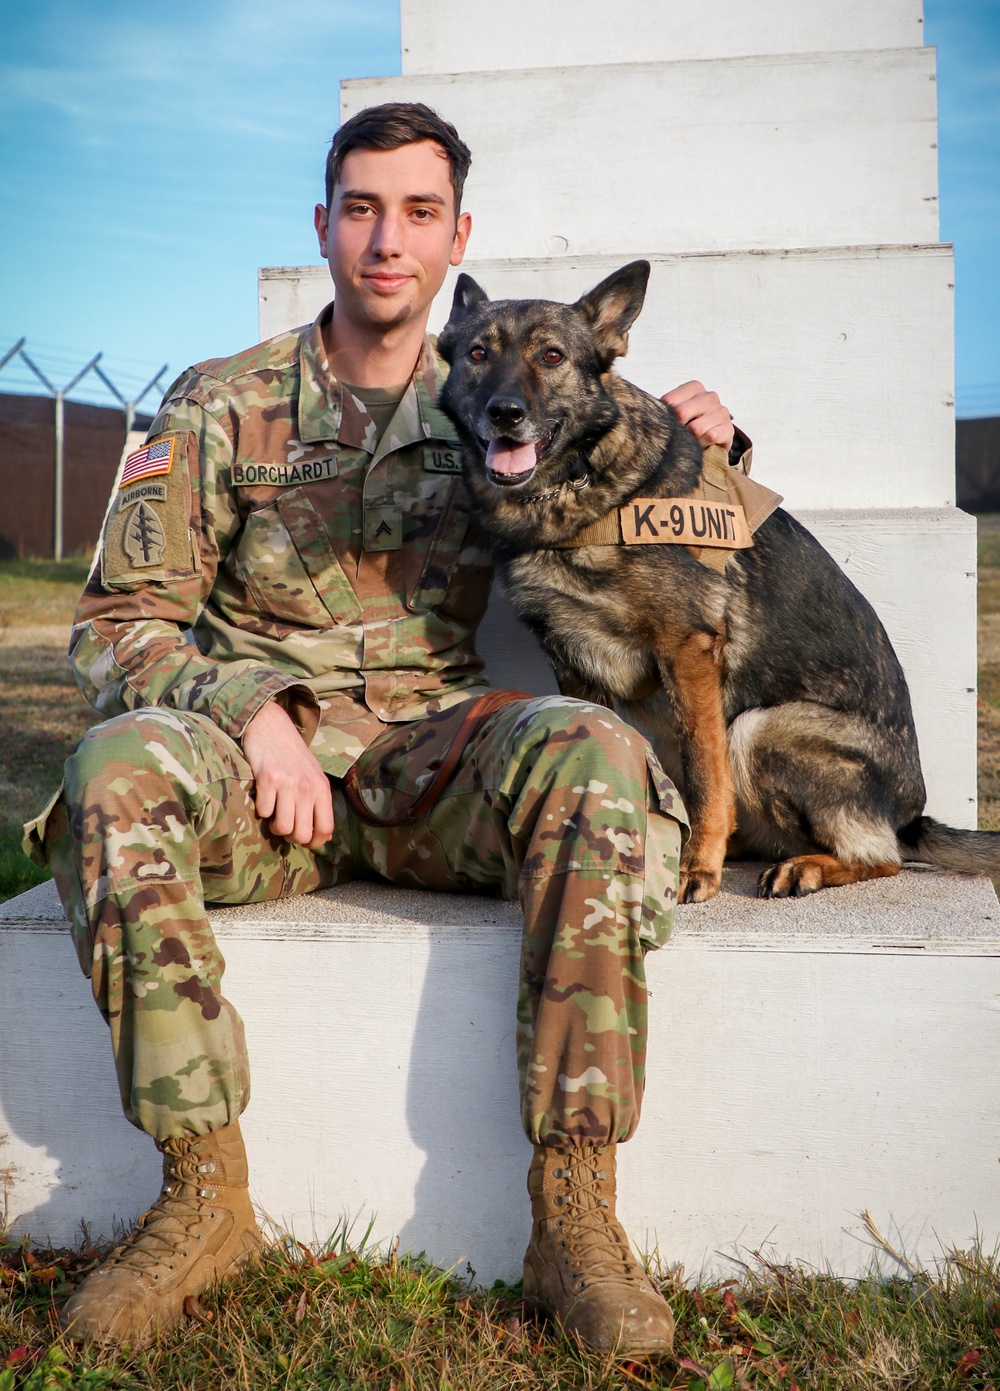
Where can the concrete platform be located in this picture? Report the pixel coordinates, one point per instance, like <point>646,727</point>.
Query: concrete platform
<point>808,1060</point>
<point>476,38</point>
<point>792,150</point>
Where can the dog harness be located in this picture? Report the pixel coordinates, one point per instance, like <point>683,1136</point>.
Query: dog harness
<point>716,520</point>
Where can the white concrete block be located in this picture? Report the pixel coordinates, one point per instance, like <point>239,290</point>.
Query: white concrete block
<point>288,296</point>
<point>801,150</point>
<point>807,1060</point>
<point>566,33</point>
<point>838,362</point>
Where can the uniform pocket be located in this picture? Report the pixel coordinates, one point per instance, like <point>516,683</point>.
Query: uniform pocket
<point>33,842</point>
<point>310,536</point>
<point>272,570</point>
<point>442,553</point>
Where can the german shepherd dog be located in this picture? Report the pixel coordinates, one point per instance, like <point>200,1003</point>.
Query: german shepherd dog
<point>776,699</point>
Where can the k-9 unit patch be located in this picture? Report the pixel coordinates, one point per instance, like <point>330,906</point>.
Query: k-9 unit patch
<point>684,522</point>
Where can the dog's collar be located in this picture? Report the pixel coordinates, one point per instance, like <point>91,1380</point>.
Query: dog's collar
<point>575,484</point>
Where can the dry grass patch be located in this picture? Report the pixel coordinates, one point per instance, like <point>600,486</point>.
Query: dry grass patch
<point>36,593</point>
<point>42,714</point>
<point>339,1319</point>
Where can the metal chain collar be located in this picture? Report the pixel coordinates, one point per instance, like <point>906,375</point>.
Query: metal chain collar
<point>575,485</point>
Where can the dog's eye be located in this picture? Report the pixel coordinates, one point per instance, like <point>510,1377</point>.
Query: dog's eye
<point>553,356</point>
<point>477,353</point>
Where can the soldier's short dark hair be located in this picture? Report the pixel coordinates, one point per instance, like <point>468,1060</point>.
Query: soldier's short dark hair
<point>391,125</point>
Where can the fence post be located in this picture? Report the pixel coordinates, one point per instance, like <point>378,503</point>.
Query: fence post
<point>60,477</point>
<point>58,482</point>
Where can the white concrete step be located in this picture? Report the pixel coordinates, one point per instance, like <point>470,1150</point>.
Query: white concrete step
<point>808,1060</point>
<point>837,361</point>
<point>530,33</point>
<point>797,150</point>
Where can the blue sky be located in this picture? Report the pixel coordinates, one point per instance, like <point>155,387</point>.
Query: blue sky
<point>152,157</point>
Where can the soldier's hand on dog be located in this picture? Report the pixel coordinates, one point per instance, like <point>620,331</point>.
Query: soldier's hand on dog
<point>703,414</point>
<point>292,790</point>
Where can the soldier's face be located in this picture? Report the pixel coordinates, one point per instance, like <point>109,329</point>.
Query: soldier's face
<point>391,233</point>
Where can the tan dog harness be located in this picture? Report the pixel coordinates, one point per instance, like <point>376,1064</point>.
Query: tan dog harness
<point>716,520</point>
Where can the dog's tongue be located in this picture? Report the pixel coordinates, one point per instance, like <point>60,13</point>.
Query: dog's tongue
<point>503,456</point>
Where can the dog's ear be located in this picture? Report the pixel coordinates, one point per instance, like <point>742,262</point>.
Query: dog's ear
<point>612,307</point>
<point>467,296</point>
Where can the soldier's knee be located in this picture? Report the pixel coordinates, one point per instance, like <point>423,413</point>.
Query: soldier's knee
<point>134,743</point>
<point>590,736</point>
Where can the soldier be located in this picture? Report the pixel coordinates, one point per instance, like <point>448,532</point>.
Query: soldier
<point>287,592</point>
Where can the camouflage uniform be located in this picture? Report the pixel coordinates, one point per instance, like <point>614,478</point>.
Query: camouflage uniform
<point>281,552</point>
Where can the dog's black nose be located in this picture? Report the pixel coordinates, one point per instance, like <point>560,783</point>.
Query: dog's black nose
<point>506,411</point>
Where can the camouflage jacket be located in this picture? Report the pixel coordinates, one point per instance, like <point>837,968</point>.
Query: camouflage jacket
<point>263,547</point>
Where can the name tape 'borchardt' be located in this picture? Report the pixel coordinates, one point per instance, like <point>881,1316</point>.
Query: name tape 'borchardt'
<point>658,521</point>
<point>283,475</point>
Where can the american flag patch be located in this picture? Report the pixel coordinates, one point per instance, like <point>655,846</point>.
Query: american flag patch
<point>148,461</point>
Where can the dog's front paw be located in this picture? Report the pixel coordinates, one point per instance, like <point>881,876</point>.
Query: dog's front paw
<point>791,879</point>
<point>698,884</point>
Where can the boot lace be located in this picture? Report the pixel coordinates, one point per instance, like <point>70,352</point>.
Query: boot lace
<point>166,1230</point>
<point>595,1245</point>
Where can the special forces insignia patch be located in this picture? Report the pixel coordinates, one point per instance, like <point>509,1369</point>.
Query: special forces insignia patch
<point>143,537</point>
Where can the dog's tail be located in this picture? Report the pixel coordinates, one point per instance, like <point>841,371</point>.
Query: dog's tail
<point>945,847</point>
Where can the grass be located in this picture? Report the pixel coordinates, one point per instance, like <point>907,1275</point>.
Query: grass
<point>34,592</point>
<point>42,714</point>
<point>989,673</point>
<point>341,1318</point>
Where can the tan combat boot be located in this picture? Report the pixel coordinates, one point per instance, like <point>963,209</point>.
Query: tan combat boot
<point>579,1267</point>
<point>200,1228</point>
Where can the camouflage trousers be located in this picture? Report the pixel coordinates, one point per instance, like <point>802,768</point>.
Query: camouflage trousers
<point>555,802</point>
